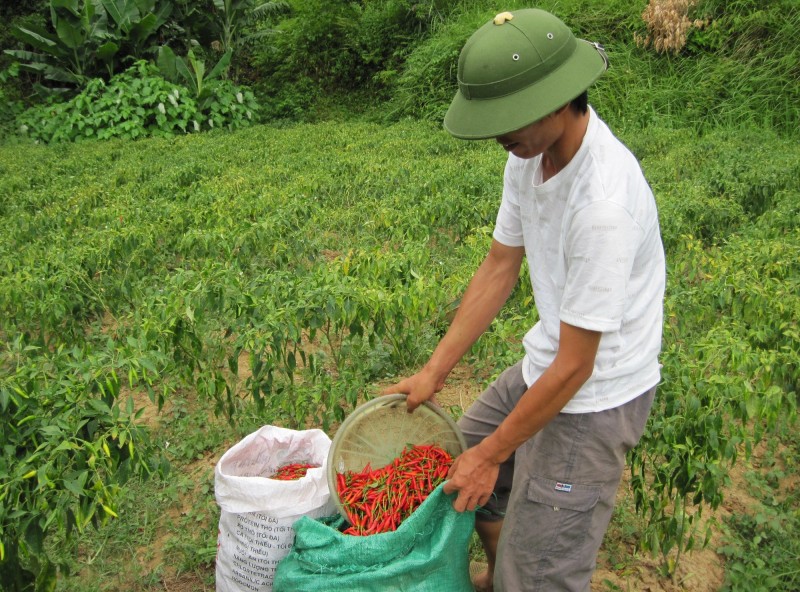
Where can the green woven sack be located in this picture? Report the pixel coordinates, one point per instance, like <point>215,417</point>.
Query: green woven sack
<point>427,553</point>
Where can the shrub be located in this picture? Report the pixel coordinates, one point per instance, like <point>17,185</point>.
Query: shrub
<point>428,81</point>
<point>70,444</point>
<point>341,47</point>
<point>135,104</point>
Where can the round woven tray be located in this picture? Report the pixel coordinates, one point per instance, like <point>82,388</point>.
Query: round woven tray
<point>377,431</point>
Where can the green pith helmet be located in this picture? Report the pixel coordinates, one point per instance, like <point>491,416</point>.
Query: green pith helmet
<point>516,69</point>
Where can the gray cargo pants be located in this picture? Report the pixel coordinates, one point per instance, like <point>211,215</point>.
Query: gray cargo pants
<point>565,480</point>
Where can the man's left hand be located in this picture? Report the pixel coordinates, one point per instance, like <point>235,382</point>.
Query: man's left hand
<point>472,475</point>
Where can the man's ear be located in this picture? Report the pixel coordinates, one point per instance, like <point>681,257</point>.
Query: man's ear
<point>560,110</point>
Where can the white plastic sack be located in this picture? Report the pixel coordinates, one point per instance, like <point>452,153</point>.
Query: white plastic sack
<point>257,513</point>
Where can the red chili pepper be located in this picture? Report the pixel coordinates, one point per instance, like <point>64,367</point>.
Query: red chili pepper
<point>379,500</point>
<point>292,471</point>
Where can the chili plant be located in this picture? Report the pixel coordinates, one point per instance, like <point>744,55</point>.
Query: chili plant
<point>70,443</point>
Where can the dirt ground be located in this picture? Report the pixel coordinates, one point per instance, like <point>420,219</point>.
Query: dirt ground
<point>621,566</point>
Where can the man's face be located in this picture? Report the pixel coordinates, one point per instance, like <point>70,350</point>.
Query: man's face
<point>533,139</point>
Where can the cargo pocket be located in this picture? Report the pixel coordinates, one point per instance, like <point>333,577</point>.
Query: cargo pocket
<point>555,518</point>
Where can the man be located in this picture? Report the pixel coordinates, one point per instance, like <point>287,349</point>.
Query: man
<point>548,438</point>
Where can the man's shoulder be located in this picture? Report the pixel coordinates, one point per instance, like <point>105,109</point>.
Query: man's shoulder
<point>605,142</point>
<point>611,161</point>
<point>611,174</point>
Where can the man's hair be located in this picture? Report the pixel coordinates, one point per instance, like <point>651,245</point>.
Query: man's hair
<point>580,104</point>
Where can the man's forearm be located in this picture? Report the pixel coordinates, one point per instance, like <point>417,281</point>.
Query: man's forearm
<point>486,294</point>
<point>547,396</point>
<point>540,403</point>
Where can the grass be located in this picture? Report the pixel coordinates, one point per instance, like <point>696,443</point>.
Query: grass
<point>167,526</point>
<point>739,69</point>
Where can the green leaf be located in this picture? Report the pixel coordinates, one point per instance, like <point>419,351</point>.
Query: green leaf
<point>66,445</point>
<point>99,406</point>
<point>76,485</point>
<point>148,365</point>
<point>124,12</point>
<point>60,74</point>
<point>52,431</point>
<point>35,60</point>
<point>34,537</point>
<point>183,70</point>
<point>198,67</point>
<point>107,51</point>
<point>167,63</point>
<point>95,25</point>
<point>71,5</point>
<point>70,35</point>
<point>753,406</point>
<point>142,30</point>
<point>221,66</point>
<point>38,38</point>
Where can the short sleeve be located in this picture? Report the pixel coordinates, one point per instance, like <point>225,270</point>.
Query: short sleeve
<point>508,225</point>
<point>602,242</point>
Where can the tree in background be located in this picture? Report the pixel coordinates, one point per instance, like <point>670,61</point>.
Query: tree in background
<point>89,38</point>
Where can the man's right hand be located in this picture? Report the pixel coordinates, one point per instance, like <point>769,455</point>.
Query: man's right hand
<point>420,387</point>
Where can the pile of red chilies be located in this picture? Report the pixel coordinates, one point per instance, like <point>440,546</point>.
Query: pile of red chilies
<point>292,471</point>
<point>379,500</point>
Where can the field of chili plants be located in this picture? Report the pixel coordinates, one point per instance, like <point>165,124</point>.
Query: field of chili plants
<point>160,299</point>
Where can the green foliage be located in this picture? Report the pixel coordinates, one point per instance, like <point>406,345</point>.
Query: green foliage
<point>139,103</point>
<point>190,71</point>
<point>741,68</point>
<point>70,444</point>
<point>712,186</point>
<point>762,546</point>
<point>728,377</point>
<point>13,14</point>
<point>427,82</point>
<point>341,47</point>
<point>289,102</point>
<point>10,106</point>
<point>167,523</point>
<point>88,38</point>
<point>730,331</point>
<point>277,274</point>
<point>312,44</point>
<point>228,106</point>
<point>380,33</point>
<point>270,226</point>
<point>765,556</point>
<point>231,19</point>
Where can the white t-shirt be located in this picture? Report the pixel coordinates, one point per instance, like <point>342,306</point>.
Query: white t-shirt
<point>596,260</point>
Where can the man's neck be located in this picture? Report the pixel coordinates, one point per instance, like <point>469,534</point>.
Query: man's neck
<point>559,155</point>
